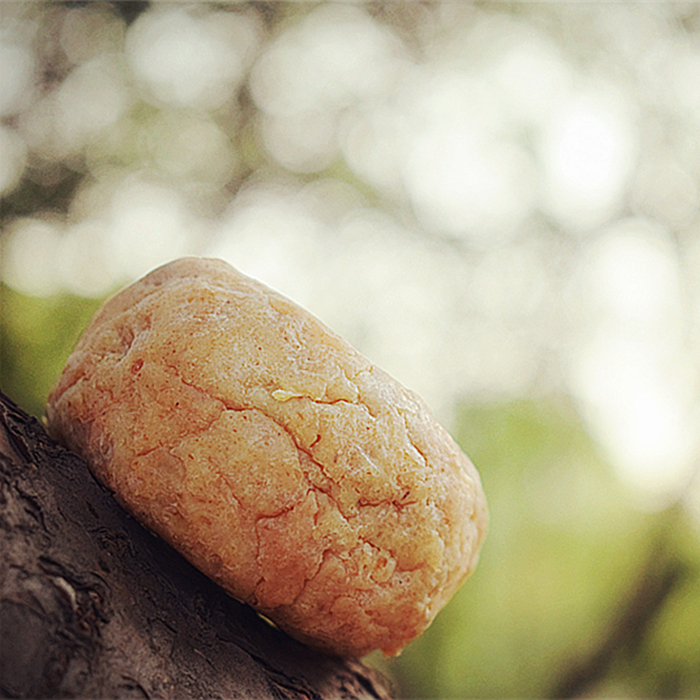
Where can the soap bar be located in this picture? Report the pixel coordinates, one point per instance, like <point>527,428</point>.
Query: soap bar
<point>273,455</point>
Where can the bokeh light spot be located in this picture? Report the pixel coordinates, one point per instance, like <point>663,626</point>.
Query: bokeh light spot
<point>588,153</point>
<point>188,60</point>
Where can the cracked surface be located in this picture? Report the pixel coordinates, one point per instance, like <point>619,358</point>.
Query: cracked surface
<point>274,456</point>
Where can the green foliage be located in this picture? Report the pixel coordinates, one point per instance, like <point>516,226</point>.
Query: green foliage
<point>36,337</point>
<point>565,547</point>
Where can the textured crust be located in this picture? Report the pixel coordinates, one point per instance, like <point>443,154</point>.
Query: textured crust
<point>273,455</point>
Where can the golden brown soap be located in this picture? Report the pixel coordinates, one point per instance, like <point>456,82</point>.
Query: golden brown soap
<point>275,457</point>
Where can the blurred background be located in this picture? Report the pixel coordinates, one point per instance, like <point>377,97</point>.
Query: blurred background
<point>498,203</point>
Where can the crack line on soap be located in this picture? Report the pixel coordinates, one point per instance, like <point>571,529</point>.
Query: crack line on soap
<point>234,406</point>
<point>226,404</point>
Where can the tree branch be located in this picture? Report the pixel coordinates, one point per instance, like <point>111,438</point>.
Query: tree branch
<point>92,604</point>
<point>659,578</point>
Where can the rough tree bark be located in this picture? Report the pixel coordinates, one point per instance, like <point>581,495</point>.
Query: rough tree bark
<point>94,605</point>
